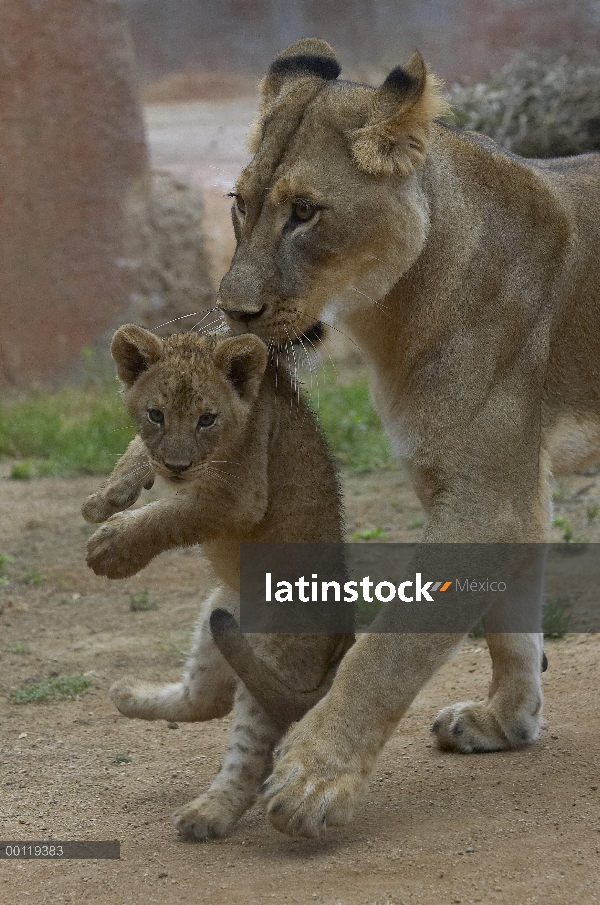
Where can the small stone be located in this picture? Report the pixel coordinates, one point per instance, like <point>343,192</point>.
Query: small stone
<point>172,725</point>
<point>162,874</point>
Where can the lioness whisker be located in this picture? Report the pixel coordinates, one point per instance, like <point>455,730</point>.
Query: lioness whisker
<point>212,327</point>
<point>175,319</point>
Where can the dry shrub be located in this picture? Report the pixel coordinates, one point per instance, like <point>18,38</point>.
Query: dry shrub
<point>535,108</point>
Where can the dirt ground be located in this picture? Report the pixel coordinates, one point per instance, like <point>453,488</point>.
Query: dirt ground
<point>521,827</point>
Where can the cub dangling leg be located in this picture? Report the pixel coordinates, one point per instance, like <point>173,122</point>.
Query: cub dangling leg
<point>206,690</point>
<point>247,763</point>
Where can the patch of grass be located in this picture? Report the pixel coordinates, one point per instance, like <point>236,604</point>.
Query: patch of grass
<point>367,610</point>
<point>35,577</point>
<point>121,757</point>
<point>19,648</point>
<point>417,522</point>
<point>51,688</point>
<point>171,646</point>
<point>66,431</point>
<point>370,534</point>
<point>22,471</point>
<point>592,511</point>
<point>350,422</point>
<point>5,560</point>
<point>140,602</point>
<point>555,620</point>
<point>561,522</point>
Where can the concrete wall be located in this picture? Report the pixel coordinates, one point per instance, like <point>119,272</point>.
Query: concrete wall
<point>72,145</point>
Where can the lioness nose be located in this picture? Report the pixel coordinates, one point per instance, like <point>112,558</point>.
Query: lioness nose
<point>242,315</point>
<point>177,469</point>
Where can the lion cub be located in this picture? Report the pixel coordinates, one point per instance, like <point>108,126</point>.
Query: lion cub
<point>250,465</point>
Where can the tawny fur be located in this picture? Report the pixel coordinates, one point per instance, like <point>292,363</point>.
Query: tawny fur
<point>259,473</point>
<point>470,278</point>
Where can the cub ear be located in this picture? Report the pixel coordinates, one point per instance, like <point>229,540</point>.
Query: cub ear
<point>243,360</point>
<point>398,129</point>
<point>311,60</point>
<point>134,350</point>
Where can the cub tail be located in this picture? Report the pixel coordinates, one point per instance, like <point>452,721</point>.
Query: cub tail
<point>283,704</point>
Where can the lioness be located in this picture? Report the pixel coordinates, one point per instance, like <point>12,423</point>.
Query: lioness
<point>470,279</point>
<point>250,465</point>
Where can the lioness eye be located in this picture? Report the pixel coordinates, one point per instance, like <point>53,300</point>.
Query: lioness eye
<point>155,416</point>
<point>303,211</point>
<point>207,419</point>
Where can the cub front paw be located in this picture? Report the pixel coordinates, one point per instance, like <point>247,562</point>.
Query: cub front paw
<point>112,498</point>
<point>124,696</point>
<point>210,816</point>
<point>109,552</point>
<point>311,789</point>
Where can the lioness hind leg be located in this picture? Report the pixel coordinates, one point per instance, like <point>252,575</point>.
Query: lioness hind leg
<point>205,692</point>
<point>246,765</point>
<point>512,715</point>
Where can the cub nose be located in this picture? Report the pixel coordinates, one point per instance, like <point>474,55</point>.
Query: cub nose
<point>177,469</point>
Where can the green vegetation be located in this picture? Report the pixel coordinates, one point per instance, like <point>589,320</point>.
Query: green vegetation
<point>555,618</point>
<point>370,534</point>
<point>34,576</point>
<point>66,431</point>
<point>84,429</point>
<point>417,522</point>
<point>176,647</point>
<point>140,601</point>
<point>560,522</point>
<point>350,422</point>
<point>50,688</point>
<point>19,648</point>
<point>121,757</point>
<point>5,560</point>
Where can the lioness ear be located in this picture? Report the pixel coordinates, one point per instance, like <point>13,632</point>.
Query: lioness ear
<point>397,132</point>
<point>243,359</point>
<point>310,59</point>
<point>134,350</point>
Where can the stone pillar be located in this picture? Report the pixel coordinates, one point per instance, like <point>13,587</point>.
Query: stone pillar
<point>72,147</point>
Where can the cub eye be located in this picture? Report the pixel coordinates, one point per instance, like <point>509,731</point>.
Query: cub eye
<point>155,416</point>
<point>303,211</point>
<point>207,419</point>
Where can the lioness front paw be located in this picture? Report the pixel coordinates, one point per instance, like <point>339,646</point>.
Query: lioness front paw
<point>110,553</point>
<point>311,787</point>
<point>473,728</point>
<point>210,816</point>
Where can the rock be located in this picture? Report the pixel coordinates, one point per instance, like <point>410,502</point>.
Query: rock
<point>166,251</point>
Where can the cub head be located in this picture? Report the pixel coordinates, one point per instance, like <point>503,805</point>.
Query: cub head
<point>329,213</point>
<point>190,396</point>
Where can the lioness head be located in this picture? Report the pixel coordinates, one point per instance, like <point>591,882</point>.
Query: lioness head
<point>190,396</point>
<point>329,211</point>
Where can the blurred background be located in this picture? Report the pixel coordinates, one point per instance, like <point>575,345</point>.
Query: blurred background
<point>464,41</point>
<point>123,122</point>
